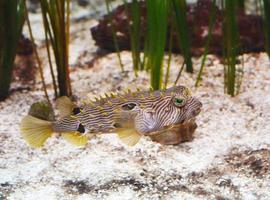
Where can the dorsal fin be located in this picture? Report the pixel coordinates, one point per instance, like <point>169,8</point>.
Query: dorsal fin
<point>65,106</point>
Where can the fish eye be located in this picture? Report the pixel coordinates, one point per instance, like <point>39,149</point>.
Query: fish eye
<point>179,101</point>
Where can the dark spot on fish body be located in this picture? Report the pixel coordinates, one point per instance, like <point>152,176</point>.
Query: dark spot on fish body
<point>81,128</point>
<point>117,125</point>
<point>76,111</point>
<point>128,106</point>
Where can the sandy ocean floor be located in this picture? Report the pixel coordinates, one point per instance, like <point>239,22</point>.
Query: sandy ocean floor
<point>229,157</point>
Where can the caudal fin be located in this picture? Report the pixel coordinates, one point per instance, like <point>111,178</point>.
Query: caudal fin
<point>35,131</point>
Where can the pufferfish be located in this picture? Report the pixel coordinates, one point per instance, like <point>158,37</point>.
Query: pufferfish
<point>130,115</point>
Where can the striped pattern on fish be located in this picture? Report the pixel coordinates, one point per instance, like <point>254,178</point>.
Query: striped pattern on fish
<point>131,115</point>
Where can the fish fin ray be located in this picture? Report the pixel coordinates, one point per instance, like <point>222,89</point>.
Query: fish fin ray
<point>129,136</point>
<point>76,138</point>
<point>35,131</point>
<point>65,106</point>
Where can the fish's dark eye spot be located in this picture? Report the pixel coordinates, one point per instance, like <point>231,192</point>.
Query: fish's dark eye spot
<point>179,101</point>
<point>76,111</point>
<point>81,128</point>
<point>117,125</point>
<point>128,106</point>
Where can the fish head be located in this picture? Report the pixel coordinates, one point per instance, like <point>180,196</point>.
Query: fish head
<point>184,106</point>
<point>176,106</point>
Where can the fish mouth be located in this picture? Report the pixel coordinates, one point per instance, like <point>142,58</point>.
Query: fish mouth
<point>185,122</point>
<point>196,112</point>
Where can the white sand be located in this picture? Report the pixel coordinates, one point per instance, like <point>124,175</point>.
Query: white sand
<point>228,158</point>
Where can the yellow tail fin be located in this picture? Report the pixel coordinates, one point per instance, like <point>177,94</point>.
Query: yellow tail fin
<point>35,131</point>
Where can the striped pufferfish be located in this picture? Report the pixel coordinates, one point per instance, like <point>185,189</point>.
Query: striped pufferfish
<point>130,115</point>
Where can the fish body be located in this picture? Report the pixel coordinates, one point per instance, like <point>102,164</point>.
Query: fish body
<point>130,115</point>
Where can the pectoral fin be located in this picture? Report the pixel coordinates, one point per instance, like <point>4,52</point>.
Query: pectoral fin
<point>126,130</point>
<point>76,138</point>
<point>129,136</point>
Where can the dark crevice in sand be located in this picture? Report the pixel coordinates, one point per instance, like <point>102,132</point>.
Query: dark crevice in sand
<point>251,163</point>
<point>5,189</point>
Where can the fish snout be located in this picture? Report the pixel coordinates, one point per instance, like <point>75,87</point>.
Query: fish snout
<point>197,108</point>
